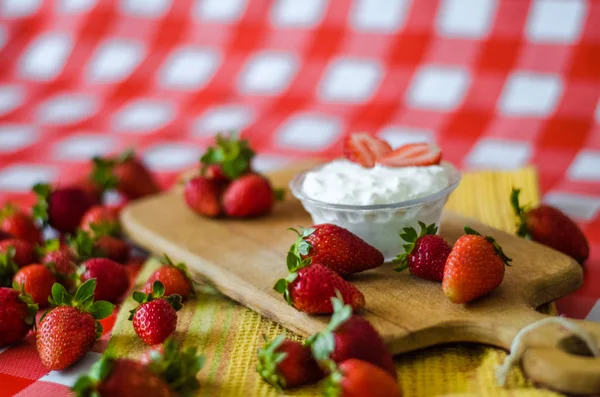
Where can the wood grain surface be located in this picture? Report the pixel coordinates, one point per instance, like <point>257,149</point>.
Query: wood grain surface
<point>244,258</point>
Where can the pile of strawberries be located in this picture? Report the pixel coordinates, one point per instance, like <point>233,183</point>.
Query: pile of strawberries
<point>349,351</point>
<point>227,185</point>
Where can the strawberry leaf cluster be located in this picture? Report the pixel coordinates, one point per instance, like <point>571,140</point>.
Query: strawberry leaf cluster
<point>232,154</point>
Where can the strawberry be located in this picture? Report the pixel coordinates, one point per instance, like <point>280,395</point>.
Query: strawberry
<point>474,268</point>
<point>424,254</point>
<point>91,189</point>
<point>101,219</point>
<point>17,315</point>
<point>203,196</point>
<point>309,288</point>
<point>337,248</point>
<point>284,364</point>
<point>550,226</point>
<point>61,208</point>
<point>37,281</point>
<point>250,195</point>
<point>61,260</point>
<point>365,149</point>
<point>19,224</point>
<point>87,246</point>
<point>357,378</point>
<point>156,316</point>
<point>120,377</point>
<point>24,251</point>
<point>412,155</point>
<point>125,173</point>
<point>111,278</point>
<point>177,366</point>
<point>228,159</point>
<point>5,236</point>
<point>68,331</point>
<point>351,336</point>
<point>174,277</point>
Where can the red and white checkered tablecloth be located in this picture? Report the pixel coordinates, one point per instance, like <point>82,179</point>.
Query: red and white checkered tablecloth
<point>496,83</point>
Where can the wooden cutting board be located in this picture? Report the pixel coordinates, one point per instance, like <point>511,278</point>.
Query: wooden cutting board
<point>244,258</point>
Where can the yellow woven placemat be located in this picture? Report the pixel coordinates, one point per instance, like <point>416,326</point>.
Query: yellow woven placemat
<point>229,334</point>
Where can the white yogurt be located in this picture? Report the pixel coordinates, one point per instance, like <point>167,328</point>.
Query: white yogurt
<point>345,182</point>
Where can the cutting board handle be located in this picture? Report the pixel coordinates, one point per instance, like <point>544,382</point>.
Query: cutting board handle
<point>556,358</point>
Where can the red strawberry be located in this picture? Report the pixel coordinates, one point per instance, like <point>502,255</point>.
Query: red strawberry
<point>337,248</point>
<point>24,251</point>
<point>169,371</point>
<point>5,236</point>
<point>102,219</point>
<point>552,227</point>
<point>61,208</point>
<point>122,378</point>
<point>87,246</point>
<point>309,288</point>
<point>353,337</point>
<point>365,149</point>
<point>284,364</point>
<point>126,173</point>
<point>412,155</point>
<point>61,260</point>
<point>68,331</point>
<point>37,281</point>
<point>17,315</point>
<point>230,155</point>
<point>111,278</point>
<point>425,254</point>
<point>203,196</point>
<point>156,316</point>
<point>19,224</point>
<point>250,195</point>
<point>174,277</point>
<point>91,189</point>
<point>474,268</point>
<point>357,378</point>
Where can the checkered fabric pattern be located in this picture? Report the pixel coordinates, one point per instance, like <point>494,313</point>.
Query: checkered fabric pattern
<point>495,83</point>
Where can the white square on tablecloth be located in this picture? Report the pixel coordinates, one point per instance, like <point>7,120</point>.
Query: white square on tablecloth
<point>189,68</point>
<point>578,206</point>
<point>75,6</point>
<point>223,119</point>
<point>114,60</point>
<point>297,14</point>
<point>465,18</point>
<point>397,136</point>
<point>499,154</point>
<point>11,97</point>
<point>69,376</point>
<point>350,80</point>
<point>16,136</point>
<point>309,131</point>
<point>143,116</point>
<point>555,21</point>
<point>383,16</point>
<point>145,8</point>
<point>586,166</point>
<point>66,108</point>
<point>268,73</point>
<point>45,57</point>
<point>269,162</point>
<point>438,87</point>
<point>530,94</point>
<point>21,177</point>
<point>84,146</point>
<point>19,8</point>
<point>171,156</point>
<point>225,11</point>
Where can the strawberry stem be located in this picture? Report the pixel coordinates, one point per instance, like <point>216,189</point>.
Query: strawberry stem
<point>520,214</point>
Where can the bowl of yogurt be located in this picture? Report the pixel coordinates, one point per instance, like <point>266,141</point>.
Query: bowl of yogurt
<point>376,203</point>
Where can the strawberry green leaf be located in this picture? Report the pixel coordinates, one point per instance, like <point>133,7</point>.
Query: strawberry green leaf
<point>139,296</point>
<point>175,301</point>
<point>268,360</point>
<point>331,384</point>
<point>520,214</point>
<point>281,285</point>
<point>410,236</point>
<point>84,246</point>
<point>103,173</point>
<point>32,307</point>
<point>158,289</point>
<point>322,346</point>
<point>85,291</point>
<point>8,266</point>
<point>101,309</point>
<point>232,154</point>
<point>40,209</point>
<point>60,296</point>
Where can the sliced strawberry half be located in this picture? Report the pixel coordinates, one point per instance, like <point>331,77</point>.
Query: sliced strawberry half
<point>412,154</point>
<point>365,149</point>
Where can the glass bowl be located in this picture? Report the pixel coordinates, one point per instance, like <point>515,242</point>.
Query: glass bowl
<point>380,225</point>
